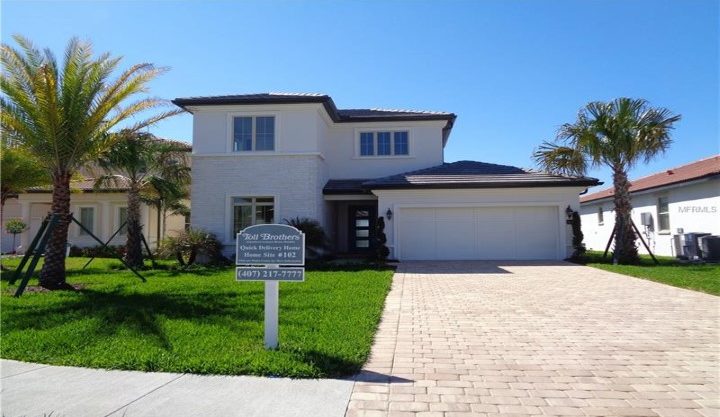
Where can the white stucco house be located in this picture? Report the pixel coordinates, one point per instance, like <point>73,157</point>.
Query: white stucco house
<point>680,200</point>
<point>263,158</point>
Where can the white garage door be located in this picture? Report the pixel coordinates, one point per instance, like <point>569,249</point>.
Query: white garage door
<point>478,233</point>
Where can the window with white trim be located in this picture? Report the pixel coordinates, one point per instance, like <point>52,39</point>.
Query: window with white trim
<point>249,211</point>
<point>87,219</point>
<point>663,214</point>
<point>384,143</point>
<point>253,133</point>
<point>601,216</point>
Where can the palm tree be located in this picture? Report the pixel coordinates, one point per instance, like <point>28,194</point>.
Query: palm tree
<point>618,134</point>
<point>62,115</point>
<point>168,198</point>
<point>19,170</point>
<point>140,161</point>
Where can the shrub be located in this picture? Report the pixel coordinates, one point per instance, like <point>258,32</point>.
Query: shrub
<point>187,245</point>
<point>98,251</point>
<point>316,241</point>
<point>577,240</point>
<point>381,250</point>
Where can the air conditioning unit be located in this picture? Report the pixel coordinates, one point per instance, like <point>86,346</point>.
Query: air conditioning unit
<point>710,248</point>
<point>646,219</point>
<point>687,245</point>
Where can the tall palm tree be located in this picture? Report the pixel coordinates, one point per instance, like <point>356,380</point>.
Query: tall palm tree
<point>618,134</point>
<point>140,161</point>
<point>62,114</point>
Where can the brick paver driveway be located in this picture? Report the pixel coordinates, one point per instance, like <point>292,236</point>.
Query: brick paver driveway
<point>520,339</point>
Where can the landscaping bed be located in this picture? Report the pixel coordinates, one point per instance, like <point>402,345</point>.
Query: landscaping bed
<point>693,276</point>
<point>199,321</point>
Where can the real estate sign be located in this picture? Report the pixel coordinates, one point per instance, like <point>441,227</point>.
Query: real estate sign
<point>261,253</point>
<point>270,244</point>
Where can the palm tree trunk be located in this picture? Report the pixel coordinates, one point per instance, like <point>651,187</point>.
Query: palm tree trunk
<point>133,255</point>
<point>625,251</point>
<point>52,275</point>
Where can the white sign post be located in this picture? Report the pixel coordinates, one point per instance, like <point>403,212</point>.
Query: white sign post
<point>261,252</point>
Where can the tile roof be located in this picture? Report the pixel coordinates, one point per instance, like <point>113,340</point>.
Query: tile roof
<point>473,174</point>
<point>696,170</point>
<point>461,174</point>
<point>86,185</point>
<point>338,115</point>
<point>352,186</point>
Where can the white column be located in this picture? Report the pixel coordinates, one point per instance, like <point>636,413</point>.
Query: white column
<point>145,220</point>
<point>25,215</point>
<point>106,220</point>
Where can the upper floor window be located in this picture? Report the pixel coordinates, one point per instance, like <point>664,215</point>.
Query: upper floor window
<point>253,133</point>
<point>663,214</point>
<point>384,143</point>
<point>601,217</point>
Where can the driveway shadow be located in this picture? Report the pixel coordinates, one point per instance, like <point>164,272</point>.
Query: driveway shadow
<point>470,267</point>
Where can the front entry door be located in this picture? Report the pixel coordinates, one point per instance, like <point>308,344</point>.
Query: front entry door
<point>362,228</point>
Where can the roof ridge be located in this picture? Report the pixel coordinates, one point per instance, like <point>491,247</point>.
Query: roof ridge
<point>664,171</point>
<point>297,94</point>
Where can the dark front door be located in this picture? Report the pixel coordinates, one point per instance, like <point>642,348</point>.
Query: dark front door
<point>362,228</point>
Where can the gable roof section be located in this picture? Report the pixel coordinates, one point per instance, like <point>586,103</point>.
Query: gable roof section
<point>703,168</point>
<point>86,185</point>
<point>337,115</point>
<point>463,174</point>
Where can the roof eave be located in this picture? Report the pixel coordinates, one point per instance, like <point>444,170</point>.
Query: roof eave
<point>538,184</point>
<point>671,184</point>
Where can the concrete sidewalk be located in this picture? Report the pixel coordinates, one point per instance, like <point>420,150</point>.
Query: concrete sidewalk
<point>30,390</point>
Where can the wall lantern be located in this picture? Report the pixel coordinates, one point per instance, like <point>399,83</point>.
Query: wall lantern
<point>569,214</point>
<point>389,214</point>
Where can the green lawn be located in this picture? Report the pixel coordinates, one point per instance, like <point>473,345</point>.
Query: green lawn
<point>698,277</point>
<point>201,322</point>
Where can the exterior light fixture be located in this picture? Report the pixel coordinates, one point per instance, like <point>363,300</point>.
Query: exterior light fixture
<point>389,214</point>
<point>569,214</point>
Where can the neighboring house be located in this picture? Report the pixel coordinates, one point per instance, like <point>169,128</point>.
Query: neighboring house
<point>102,211</point>
<point>680,200</point>
<point>264,158</point>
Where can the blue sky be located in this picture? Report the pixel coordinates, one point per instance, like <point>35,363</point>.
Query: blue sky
<point>513,71</point>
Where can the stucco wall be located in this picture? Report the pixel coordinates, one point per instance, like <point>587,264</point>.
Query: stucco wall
<point>294,181</point>
<point>33,207</point>
<point>694,207</point>
<point>342,156</point>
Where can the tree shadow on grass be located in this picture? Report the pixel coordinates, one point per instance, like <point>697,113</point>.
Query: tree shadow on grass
<point>135,312</point>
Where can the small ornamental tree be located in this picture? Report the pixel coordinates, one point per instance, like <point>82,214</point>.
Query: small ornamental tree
<point>381,250</point>
<point>15,227</point>
<point>577,240</point>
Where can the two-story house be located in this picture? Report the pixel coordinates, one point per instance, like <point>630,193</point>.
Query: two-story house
<point>263,158</point>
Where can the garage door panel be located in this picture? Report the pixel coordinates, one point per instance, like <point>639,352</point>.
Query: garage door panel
<point>512,232</point>
<point>455,239</point>
<point>537,237</point>
<point>495,228</point>
<point>419,242</point>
